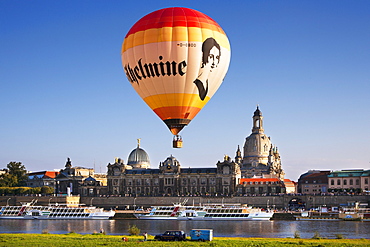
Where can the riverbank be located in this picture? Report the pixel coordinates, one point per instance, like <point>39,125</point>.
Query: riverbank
<point>74,239</point>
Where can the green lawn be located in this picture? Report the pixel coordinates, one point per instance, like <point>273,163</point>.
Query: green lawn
<point>73,239</point>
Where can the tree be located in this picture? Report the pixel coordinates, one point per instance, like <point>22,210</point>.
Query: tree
<point>47,190</point>
<point>8,180</point>
<point>16,175</point>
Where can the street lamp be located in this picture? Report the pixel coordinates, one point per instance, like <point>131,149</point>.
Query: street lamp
<point>134,204</point>
<point>7,201</point>
<point>91,201</point>
<point>50,200</point>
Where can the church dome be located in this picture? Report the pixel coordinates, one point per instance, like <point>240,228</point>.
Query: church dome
<point>138,158</point>
<point>257,145</point>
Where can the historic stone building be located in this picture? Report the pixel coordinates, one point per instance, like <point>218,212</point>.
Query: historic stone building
<point>260,157</point>
<point>76,180</point>
<point>170,178</point>
<point>260,160</point>
<point>349,181</point>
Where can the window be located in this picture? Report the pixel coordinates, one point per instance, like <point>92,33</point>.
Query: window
<point>366,180</point>
<point>332,182</point>
<point>338,182</point>
<point>345,182</point>
<point>351,182</point>
<point>169,181</point>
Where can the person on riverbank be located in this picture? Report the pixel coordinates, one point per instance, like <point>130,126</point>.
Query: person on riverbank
<point>145,234</point>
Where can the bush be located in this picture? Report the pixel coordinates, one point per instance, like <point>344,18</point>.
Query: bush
<point>316,235</point>
<point>47,190</point>
<point>339,236</point>
<point>133,230</point>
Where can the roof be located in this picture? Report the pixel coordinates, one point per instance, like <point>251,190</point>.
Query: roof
<point>138,157</point>
<point>43,174</point>
<point>183,170</point>
<point>142,171</point>
<point>90,179</point>
<point>350,173</point>
<point>259,180</point>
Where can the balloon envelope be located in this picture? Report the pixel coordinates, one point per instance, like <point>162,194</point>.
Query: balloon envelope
<point>176,59</point>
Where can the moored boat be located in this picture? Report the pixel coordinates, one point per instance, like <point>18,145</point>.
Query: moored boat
<point>55,211</point>
<point>228,212</point>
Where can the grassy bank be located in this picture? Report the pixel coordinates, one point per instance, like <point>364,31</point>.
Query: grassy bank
<point>73,239</point>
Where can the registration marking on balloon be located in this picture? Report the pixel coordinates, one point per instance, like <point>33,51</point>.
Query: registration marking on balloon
<point>176,59</point>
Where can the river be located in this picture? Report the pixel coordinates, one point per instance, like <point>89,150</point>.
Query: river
<point>263,229</point>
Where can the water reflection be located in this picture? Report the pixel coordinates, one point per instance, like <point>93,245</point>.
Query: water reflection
<point>268,229</point>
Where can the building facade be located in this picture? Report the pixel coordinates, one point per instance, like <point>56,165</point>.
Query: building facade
<point>352,181</point>
<point>42,178</point>
<point>313,182</point>
<point>260,161</point>
<point>75,180</point>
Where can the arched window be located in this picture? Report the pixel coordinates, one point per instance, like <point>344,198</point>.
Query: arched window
<point>338,182</point>
<point>351,182</point>
<point>257,123</point>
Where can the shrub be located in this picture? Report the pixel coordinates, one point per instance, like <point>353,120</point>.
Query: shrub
<point>316,235</point>
<point>133,230</point>
<point>297,234</point>
<point>339,236</point>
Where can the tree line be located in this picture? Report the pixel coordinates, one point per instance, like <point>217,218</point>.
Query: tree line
<point>14,180</point>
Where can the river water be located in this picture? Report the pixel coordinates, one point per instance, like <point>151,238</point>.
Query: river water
<point>263,229</point>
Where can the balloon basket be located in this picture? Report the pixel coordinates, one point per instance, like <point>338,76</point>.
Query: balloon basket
<point>177,142</point>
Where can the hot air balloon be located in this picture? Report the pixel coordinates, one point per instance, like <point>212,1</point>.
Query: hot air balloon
<point>176,59</point>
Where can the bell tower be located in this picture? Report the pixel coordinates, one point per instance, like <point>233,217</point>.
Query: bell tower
<point>257,121</point>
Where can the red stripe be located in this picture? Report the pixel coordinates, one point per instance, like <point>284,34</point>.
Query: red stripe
<point>172,17</point>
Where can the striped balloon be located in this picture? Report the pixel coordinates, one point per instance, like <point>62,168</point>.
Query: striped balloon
<point>176,59</point>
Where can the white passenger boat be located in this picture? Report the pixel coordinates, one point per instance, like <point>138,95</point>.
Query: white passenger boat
<point>54,212</point>
<point>229,212</point>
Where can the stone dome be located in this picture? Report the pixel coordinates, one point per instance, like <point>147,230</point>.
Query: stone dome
<point>257,145</point>
<point>138,159</point>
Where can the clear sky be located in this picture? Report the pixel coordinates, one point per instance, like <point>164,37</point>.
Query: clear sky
<point>63,92</point>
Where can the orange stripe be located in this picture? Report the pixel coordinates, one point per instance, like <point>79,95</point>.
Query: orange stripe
<point>175,99</point>
<point>175,112</point>
<point>189,34</point>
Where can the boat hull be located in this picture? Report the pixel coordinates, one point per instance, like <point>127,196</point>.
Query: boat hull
<point>203,218</point>
<point>29,211</point>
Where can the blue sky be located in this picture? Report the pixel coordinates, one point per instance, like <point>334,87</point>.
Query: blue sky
<point>63,92</point>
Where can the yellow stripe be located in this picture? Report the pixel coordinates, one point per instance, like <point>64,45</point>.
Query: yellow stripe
<point>190,34</point>
<point>175,99</point>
